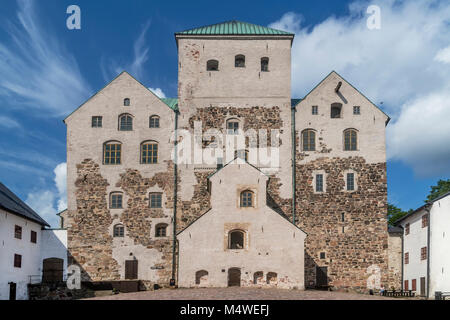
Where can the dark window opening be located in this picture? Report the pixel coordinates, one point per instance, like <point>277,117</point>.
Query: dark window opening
<point>322,255</point>
<point>126,102</point>
<point>116,201</point>
<point>112,153</point>
<point>18,232</point>
<point>161,230</point>
<point>350,140</point>
<point>126,122</point>
<point>200,276</point>
<point>336,110</point>
<point>315,110</point>
<point>33,236</point>
<point>154,122</point>
<point>309,140</point>
<point>149,153</point>
<point>236,240</point>
<point>17,261</point>
<point>350,181</point>
<point>155,200</point>
<point>356,110</point>
<point>233,127</point>
<point>265,64</point>
<point>247,199</point>
<point>271,277</point>
<point>239,61</point>
<point>319,182</point>
<point>212,65</point>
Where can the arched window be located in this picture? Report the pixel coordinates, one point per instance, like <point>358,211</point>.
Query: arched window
<point>125,122</point>
<point>308,140</point>
<point>271,278</point>
<point>243,154</point>
<point>126,102</point>
<point>115,200</point>
<point>154,122</point>
<point>118,230</point>
<point>336,109</point>
<point>258,277</point>
<point>264,64</point>
<point>112,152</point>
<point>161,230</point>
<point>247,199</point>
<point>232,126</point>
<point>212,65</point>
<point>236,239</point>
<point>239,61</point>
<point>149,152</point>
<point>350,140</point>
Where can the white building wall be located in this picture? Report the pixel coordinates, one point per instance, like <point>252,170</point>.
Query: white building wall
<point>413,242</point>
<point>9,245</point>
<point>440,244</point>
<point>54,245</point>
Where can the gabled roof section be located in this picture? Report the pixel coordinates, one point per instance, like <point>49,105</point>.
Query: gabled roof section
<point>234,27</point>
<point>245,162</point>
<point>173,106</point>
<point>388,118</point>
<point>11,203</point>
<point>171,102</point>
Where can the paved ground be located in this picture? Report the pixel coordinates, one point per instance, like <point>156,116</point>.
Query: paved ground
<point>239,294</point>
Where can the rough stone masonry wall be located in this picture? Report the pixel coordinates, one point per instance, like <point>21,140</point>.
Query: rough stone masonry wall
<point>364,242</point>
<point>89,240</point>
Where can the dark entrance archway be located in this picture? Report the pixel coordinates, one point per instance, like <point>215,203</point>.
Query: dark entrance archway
<point>321,277</point>
<point>53,269</point>
<point>234,277</point>
<point>12,290</point>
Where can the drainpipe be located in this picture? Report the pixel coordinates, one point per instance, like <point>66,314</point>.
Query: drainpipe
<point>427,209</point>
<point>403,260</point>
<point>294,142</point>
<point>175,190</point>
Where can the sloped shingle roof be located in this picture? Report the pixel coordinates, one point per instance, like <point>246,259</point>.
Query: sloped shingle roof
<point>11,203</point>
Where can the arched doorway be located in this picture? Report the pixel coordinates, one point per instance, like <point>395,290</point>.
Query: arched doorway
<point>52,270</point>
<point>234,277</point>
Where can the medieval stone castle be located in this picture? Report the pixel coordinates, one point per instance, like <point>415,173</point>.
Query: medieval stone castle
<point>318,219</point>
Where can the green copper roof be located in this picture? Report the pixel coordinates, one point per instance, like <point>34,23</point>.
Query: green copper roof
<point>233,28</point>
<point>171,102</point>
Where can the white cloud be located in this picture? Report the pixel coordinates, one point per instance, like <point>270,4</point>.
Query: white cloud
<point>61,184</point>
<point>37,71</point>
<point>9,123</point>
<point>43,201</point>
<point>399,64</point>
<point>111,68</point>
<point>158,92</point>
<point>443,55</point>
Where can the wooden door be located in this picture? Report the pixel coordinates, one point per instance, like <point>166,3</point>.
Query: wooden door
<point>52,270</point>
<point>234,277</point>
<point>131,269</point>
<point>12,290</point>
<point>422,286</point>
<point>321,276</point>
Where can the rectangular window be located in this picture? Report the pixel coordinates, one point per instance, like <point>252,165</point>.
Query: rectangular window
<point>413,285</point>
<point>322,255</point>
<point>343,217</point>
<point>97,122</point>
<point>33,236</point>
<point>407,258</point>
<point>356,110</point>
<point>406,286</point>
<point>319,182</point>
<point>116,201</point>
<point>154,122</point>
<point>407,229</point>
<point>18,232</point>
<point>315,110</point>
<point>233,127</point>
<point>425,221</point>
<point>350,181</point>
<point>155,200</point>
<point>423,253</point>
<point>149,153</point>
<point>17,261</point>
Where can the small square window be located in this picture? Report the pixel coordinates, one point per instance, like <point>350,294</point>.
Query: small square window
<point>97,122</point>
<point>315,110</point>
<point>155,200</point>
<point>322,255</point>
<point>154,122</point>
<point>18,232</point>
<point>17,261</point>
<point>33,236</point>
<point>356,110</point>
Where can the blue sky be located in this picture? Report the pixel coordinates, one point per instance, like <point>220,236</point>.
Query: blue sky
<point>46,71</point>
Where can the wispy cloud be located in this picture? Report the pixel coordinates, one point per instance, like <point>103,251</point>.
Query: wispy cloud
<point>8,123</point>
<point>158,92</point>
<point>37,71</point>
<point>111,68</point>
<point>405,64</point>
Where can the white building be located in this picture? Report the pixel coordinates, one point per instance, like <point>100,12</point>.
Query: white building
<point>28,251</point>
<point>426,262</point>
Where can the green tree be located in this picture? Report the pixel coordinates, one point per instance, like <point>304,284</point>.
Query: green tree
<point>395,213</point>
<point>442,187</point>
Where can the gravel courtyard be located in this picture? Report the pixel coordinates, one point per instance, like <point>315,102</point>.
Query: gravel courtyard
<point>238,294</point>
